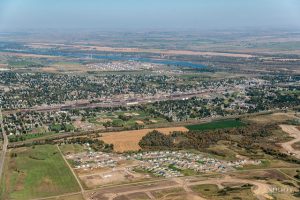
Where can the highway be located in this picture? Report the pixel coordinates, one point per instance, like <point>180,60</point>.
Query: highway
<point>4,146</point>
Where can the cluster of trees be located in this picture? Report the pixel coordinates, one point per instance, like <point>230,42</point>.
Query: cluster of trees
<point>180,110</point>
<point>155,139</point>
<point>250,137</point>
<point>268,98</point>
<point>279,155</point>
<point>95,144</point>
<point>48,88</point>
<point>61,127</point>
<point>124,117</point>
<point>181,140</point>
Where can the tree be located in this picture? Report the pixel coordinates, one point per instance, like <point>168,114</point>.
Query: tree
<point>155,139</point>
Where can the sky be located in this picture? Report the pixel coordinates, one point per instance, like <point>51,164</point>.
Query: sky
<point>148,14</point>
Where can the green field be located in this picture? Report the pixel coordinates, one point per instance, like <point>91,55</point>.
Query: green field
<point>119,119</point>
<point>71,148</point>
<point>36,172</point>
<point>216,125</point>
<point>14,138</point>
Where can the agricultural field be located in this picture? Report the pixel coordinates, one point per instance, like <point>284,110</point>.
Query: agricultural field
<point>34,172</point>
<point>216,125</point>
<point>128,140</point>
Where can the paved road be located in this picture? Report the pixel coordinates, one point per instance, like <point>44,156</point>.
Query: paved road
<point>4,147</point>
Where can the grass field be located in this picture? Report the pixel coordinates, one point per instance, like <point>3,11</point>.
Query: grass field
<point>272,118</point>
<point>133,117</point>
<point>71,197</point>
<point>71,148</point>
<point>216,125</point>
<point>14,138</point>
<point>37,172</point>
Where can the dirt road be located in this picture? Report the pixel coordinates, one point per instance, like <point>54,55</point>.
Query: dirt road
<point>74,174</point>
<point>294,132</point>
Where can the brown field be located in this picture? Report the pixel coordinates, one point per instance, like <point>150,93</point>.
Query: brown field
<point>128,140</point>
<point>49,69</point>
<point>3,65</point>
<point>116,176</point>
<point>273,118</point>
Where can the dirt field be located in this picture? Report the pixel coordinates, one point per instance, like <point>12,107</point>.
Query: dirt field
<point>119,175</point>
<point>179,187</point>
<point>128,140</point>
<point>271,118</point>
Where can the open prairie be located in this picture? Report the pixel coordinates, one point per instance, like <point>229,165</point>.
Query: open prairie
<point>273,118</point>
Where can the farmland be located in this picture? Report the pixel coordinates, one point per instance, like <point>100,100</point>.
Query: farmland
<point>37,172</point>
<point>128,140</point>
<point>216,125</point>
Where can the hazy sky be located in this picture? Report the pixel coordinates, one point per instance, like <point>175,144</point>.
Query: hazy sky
<point>148,14</point>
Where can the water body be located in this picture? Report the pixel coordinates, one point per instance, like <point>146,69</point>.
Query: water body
<point>113,57</point>
<point>150,60</point>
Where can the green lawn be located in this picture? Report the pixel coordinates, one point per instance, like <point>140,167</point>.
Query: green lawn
<point>216,125</point>
<point>37,172</point>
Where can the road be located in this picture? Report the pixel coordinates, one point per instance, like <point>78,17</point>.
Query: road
<point>260,188</point>
<point>74,174</point>
<point>185,182</point>
<point>4,146</point>
<point>294,132</point>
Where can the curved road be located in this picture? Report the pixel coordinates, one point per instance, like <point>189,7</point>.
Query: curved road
<point>294,132</point>
<point>260,189</point>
